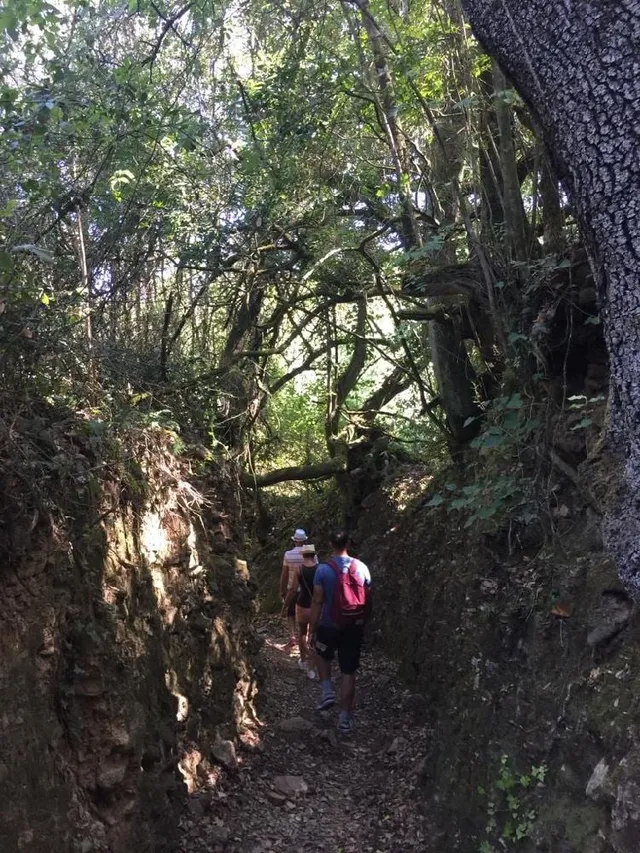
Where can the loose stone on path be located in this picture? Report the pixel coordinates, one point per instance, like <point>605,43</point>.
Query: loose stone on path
<point>296,786</point>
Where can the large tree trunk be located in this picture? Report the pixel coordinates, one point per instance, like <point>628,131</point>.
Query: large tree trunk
<point>576,62</point>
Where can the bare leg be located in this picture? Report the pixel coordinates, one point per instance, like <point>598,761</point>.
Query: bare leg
<point>303,627</point>
<point>292,629</point>
<point>312,659</point>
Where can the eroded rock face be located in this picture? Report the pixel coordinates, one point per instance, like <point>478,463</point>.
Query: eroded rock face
<point>625,817</point>
<point>224,751</point>
<point>517,650</point>
<point>599,785</point>
<point>125,642</point>
<point>625,812</point>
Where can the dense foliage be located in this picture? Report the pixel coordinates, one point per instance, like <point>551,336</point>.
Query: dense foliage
<point>282,228</point>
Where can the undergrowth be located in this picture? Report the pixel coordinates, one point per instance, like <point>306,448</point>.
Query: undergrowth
<point>510,811</point>
<point>503,468</point>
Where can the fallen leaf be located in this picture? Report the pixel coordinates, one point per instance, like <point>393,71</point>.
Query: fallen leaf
<point>563,609</point>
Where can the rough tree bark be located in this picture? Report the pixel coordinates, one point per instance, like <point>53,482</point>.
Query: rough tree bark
<point>577,64</point>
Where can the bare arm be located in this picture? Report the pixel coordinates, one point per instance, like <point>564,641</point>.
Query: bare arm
<point>291,591</point>
<point>284,579</point>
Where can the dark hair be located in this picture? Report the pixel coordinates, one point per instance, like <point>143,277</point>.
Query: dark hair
<point>339,539</point>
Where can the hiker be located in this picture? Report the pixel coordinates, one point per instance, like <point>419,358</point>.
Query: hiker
<point>290,565</point>
<point>340,608</point>
<point>301,591</point>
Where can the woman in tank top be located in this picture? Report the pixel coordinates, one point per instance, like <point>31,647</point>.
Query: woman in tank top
<point>306,573</point>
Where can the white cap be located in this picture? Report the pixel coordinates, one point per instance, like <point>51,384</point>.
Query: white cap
<point>299,535</point>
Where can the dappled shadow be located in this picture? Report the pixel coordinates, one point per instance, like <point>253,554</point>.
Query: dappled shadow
<point>301,787</point>
<point>117,658</point>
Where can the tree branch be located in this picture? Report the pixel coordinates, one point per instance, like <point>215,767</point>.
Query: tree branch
<point>321,471</point>
<point>434,313</point>
<point>305,365</point>
<point>168,25</point>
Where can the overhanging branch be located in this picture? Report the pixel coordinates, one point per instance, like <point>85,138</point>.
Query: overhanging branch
<point>435,312</point>
<point>321,471</point>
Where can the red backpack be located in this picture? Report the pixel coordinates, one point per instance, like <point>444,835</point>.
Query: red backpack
<point>349,596</point>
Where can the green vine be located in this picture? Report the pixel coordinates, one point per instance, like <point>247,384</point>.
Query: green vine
<point>510,816</point>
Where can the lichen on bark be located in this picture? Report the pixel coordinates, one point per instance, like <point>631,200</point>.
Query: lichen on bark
<point>577,64</point>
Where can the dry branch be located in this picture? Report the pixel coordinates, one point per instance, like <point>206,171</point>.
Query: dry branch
<point>321,471</point>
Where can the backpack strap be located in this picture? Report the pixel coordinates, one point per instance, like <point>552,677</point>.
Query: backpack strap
<point>303,581</point>
<point>331,562</point>
<point>336,568</point>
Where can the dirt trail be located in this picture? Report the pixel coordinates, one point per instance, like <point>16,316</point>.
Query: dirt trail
<point>358,793</point>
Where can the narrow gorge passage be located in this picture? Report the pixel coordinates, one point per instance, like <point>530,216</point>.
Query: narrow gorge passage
<point>299,786</point>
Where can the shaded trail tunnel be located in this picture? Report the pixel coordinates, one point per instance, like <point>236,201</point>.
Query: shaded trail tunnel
<point>298,786</point>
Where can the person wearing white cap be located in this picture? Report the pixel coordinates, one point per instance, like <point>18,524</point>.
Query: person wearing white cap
<point>289,580</point>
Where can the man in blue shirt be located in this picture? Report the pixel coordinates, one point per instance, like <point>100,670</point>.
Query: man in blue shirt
<point>328,637</point>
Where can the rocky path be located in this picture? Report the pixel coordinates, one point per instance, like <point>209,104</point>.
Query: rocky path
<point>300,787</point>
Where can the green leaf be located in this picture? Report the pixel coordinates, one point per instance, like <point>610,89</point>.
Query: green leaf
<point>487,512</point>
<point>583,423</point>
<point>137,398</point>
<point>9,208</point>
<point>515,401</point>
<point>436,500</point>
<point>508,831</point>
<point>120,178</point>
<point>511,421</point>
<point>459,503</point>
<point>491,440</point>
<point>44,298</point>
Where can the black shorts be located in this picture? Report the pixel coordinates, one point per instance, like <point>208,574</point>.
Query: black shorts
<point>346,641</point>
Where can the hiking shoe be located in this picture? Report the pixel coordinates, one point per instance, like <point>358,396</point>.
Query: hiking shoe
<point>326,702</point>
<point>345,726</point>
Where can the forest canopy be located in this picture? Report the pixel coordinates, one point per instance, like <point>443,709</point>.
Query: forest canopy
<point>279,228</point>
